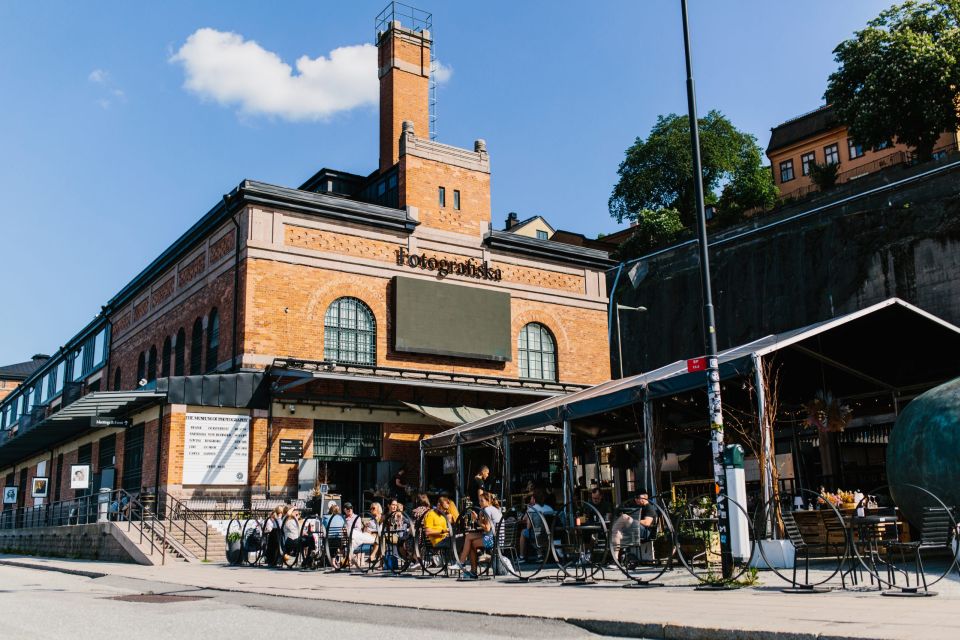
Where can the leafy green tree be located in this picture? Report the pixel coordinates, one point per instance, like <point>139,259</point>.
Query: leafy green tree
<point>750,187</point>
<point>900,77</point>
<point>657,173</point>
<point>654,228</point>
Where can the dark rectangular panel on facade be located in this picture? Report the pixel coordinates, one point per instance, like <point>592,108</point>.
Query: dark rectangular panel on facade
<point>439,318</point>
<point>344,441</point>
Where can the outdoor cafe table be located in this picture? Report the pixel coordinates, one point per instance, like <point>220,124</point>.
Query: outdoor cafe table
<point>870,530</point>
<point>584,536</point>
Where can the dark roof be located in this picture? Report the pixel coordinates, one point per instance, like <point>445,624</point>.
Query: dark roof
<point>802,127</point>
<point>548,250</point>
<point>22,370</point>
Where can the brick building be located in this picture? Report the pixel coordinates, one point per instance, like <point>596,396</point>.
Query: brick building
<point>341,322</point>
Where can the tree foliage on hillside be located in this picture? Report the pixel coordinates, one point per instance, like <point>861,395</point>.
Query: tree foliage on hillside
<point>656,187</point>
<point>899,78</point>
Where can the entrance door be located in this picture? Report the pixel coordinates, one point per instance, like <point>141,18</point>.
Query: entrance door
<point>348,452</point>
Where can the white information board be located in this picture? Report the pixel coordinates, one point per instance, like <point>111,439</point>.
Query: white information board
<point>216,449</point>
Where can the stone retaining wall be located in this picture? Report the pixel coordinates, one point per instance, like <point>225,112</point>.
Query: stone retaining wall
<point>98,541</point>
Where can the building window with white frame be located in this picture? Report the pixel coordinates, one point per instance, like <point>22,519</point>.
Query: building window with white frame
<point>855,149</point>
<point>807,160</point>
<point>537,353</point>
<point>349,332</point>
<point>831,154</point>
<point>786,171</point>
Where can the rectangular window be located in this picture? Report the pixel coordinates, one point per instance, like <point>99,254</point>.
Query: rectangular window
<point>786,171</point>
<point>132,458</point>
<point>78,364</point>
<point>855,149</point>
<point>831,154</point>
<point>99,348</point>
<point>542,235</point>
<point>883,145</point>
<point>806,161</point>
<point>456,199</point>
<point>345,440</point>
<point>60,376</point>
<point>442,196</point>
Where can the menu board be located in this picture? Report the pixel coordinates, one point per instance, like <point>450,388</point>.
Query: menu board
<point>216,449</point>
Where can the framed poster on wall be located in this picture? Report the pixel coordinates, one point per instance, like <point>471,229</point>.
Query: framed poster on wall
<point>79,476</point>
<point>40,487</point>
<point>216,449</point>
<point>10,495</point>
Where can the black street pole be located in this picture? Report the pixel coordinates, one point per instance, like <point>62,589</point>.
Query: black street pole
<point>710,330</point>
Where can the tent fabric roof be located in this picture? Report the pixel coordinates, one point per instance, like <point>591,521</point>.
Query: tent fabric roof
<point>72,420</point>
<point>451,416</point>
<point>666,381</point>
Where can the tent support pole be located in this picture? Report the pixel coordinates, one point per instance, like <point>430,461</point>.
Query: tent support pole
<point>459,477</point>
<point>766,432</point>
<point>423,468</point>
<point>649,466</point>
<point>568,469</point>
<point>506,487</point>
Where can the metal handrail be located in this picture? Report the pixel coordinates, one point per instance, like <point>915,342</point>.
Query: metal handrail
<point>183,521</point>
<point>117,505</point>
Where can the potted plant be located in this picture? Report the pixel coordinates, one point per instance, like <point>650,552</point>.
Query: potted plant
<point>233,547</point>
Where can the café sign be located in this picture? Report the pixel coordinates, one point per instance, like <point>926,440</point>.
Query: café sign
<point>468,268</point>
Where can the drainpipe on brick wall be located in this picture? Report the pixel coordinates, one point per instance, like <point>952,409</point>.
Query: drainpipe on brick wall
<point>269,432</point>
<point>236,282</point>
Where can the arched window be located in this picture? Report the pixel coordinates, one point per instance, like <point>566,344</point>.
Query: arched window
<point>152,364</point>
<point>196,348</point>
<point>141,367</point>
<point>178,352</point>
<point>165,361</point>
<point>537,352</point>
<point>349,332</point>
<point>213,340</point>
<point>116,379</point>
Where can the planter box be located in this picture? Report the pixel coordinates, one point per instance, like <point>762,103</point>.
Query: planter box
<point>780,554</point>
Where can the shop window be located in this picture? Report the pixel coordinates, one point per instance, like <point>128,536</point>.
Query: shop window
<point>333,441</point>
<point>196,348</point>
<point>786,171</point>
<point>831,154</point>
<point>349,332</point>
<point>807,160</point>
<point>213,340</point>
<point>537,353</point>
<point>178,352</point>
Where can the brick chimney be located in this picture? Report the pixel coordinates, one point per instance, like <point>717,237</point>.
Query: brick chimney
<point>512,220</point>
<point>404,69</point>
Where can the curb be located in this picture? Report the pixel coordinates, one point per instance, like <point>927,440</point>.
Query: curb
<point>43,567</point>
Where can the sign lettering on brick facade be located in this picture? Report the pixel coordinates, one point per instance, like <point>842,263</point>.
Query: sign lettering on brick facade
<point>444,267</point>
<point>216,449</point>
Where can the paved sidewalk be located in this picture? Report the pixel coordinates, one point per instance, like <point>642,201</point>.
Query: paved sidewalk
<point>676,612</point>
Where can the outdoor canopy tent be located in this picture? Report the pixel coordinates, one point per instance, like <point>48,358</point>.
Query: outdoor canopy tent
<point>910,331</point>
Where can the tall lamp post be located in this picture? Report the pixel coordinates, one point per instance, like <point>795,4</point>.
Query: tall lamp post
<point>710,331</point>
<point>623,307</point>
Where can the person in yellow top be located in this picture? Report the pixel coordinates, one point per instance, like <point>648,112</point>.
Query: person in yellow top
<point>436,521</point>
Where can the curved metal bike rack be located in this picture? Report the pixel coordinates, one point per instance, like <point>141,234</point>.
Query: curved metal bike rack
<point>635,557</point>
<point>507,545</point>
<point>707,577</point>
<point>568,546</point>
<point>237,558</point>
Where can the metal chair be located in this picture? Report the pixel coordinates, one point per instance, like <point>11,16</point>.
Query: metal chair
<point>936,532</point>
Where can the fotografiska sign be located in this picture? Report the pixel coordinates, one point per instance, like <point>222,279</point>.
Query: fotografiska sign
<point>444,267</point>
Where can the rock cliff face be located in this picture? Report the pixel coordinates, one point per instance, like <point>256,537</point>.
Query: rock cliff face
<point>895,234</point>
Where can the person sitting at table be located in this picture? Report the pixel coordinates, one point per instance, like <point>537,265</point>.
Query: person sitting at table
<point>272,529</point>
<point>367,534</point>
<point>483,537</point>
<point>638,513</point>
<point>436,523</point>
<point>310,540</point>
<point>600,504</point>
<point>421,506</point>
<point>291,533</point>
<point>531,522</point>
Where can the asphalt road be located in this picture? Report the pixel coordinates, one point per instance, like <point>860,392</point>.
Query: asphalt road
<point>51,605</point>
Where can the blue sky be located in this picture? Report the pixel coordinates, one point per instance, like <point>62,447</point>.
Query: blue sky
<point>105,157</point>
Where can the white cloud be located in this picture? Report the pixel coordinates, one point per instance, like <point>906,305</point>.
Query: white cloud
<point>98,76</point>
<point>111,94</point>
<point>224,67</point>
<point>442,72</point>
<point>232,71</point>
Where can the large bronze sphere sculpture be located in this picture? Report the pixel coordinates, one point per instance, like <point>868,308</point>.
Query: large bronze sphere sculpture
<point>924,451</point>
